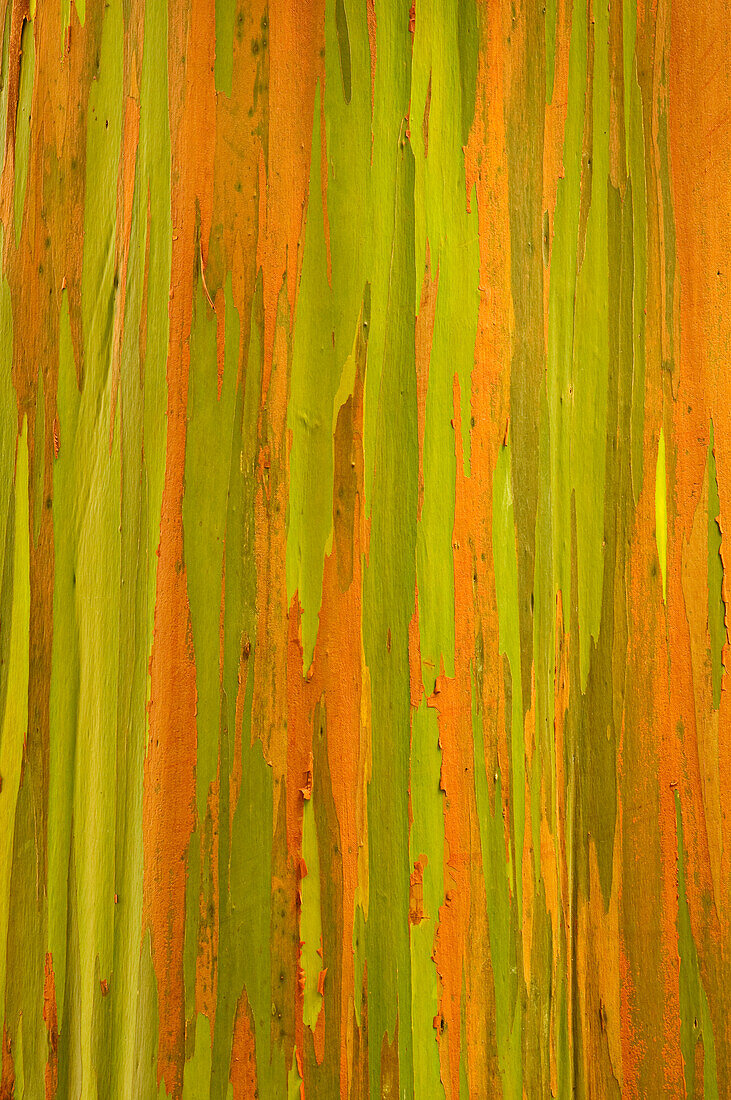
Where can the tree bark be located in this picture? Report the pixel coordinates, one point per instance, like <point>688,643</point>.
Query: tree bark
<point>365,473</point>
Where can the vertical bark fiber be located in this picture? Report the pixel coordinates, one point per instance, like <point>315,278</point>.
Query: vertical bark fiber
<point>365,474</point>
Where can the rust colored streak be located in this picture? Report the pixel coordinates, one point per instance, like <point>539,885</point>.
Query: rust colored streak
<point>701,792</point>
<point>372,49</point>
<point>647,763</point>
<point>31,355</point>
<point>298,787</point>
<point>238,193</point>
<point>342,650</point>
<point>416,891</point>
<point>476,616</point>
<point>299,734</point>
<point>649,759</point>
<point>452,700</point>
<point>269,708</point>
<point>460,967</point>
<point>485,156</point>
<point>295,67</point>
<point>35,315</point>
<point>242,1074</point>
<point>19,15</point>
<point>416,684</point>
<point>562,686</point>
<point>633,1048</point>
<point>553,136</point>
<point>346,756</point>
<point>270,657</point>
<point>206,975</point>
<point>7,1076</point>
<point>51,1020</point>
<point>169,789</point>
<point>617,152</point>
<point>699,128</point>
<point>170,764</point>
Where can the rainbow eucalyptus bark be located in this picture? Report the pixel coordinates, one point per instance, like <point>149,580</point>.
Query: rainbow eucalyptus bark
<point>365,480</point>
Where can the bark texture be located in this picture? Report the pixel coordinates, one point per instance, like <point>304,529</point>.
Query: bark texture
<point>365,471</point>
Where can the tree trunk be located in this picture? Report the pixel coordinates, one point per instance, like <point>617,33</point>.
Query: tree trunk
<point>365,472</point>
